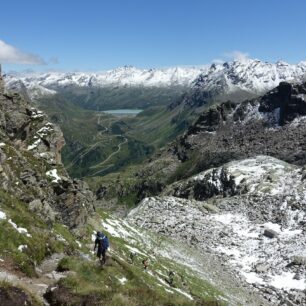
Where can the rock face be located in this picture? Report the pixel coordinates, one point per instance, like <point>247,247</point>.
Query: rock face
<point>30,164</point>
<point>273,124</point>
<point>250,214</point>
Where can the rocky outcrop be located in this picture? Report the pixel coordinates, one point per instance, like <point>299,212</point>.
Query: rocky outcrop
<point>272,125</point>
<point>30,165</point>
<point>10,295</point>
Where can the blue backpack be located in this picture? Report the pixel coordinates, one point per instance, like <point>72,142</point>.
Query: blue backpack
<point>103,240</point>
<point>105,243</point>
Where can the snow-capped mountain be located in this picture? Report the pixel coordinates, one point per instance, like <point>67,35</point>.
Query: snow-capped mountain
<point>40,84</point>
<point>250,75</point>
<point>238,81</point>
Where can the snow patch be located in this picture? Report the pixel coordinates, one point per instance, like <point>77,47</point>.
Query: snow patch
<point>22,247</point>
<point>53,174</point>
<point>34,145</point>
<point>20,230</point>
<point>135,250</point>
<point>115,228</point>
<point>286,281</point>
<point>2,215</point>
<point>183,293</point>
<point>122,280</point>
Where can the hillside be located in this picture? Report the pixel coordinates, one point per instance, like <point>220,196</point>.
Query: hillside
<point>272,125</point>
<point>222,133</point>
<point>48,222</point>
<point>249,215</point>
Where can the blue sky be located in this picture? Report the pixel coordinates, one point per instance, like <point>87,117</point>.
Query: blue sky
<point>98,35</point>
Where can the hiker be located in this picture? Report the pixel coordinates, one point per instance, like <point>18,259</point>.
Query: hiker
<point>171,278</point>
<point>132,256</point>
<point>102,244</point>
<point>145,263</point>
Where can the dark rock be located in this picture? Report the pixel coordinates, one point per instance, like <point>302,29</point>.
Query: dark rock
<point>232,131</point>
<point>10,295</point>
<point>270,233</point>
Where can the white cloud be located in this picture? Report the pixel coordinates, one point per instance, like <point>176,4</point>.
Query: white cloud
<point>237,55</point>
<point>12,55</point>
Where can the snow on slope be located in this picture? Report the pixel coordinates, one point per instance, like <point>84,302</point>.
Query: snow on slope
<point>258,232</point>
<point>166,255</point>
<point>39,84</point>
<point>250,75</point>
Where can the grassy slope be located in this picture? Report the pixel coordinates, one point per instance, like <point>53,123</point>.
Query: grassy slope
<point>122,282</point>
<point>42,241</point>
<point>107,98</point>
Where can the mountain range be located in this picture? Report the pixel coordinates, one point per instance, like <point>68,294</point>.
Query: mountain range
<point>248,75</point>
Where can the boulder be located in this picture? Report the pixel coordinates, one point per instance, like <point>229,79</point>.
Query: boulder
<point>261,268</point>
<point>270,233</point>
<point>299,260</point>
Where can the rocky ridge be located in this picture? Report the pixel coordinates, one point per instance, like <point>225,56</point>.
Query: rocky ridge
<point>42,84</point>
<point>239,80</point>
<point>273,124</point>
<point>30,165</point>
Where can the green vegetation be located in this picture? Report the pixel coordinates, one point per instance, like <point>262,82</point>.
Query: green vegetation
<point>119,283</point>
<point>33,240</point>
<point>111,97</point>
<point>92,138</point>
<point>123,281</point>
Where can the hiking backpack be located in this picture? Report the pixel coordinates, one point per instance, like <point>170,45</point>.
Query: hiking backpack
<point>105,243</point>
